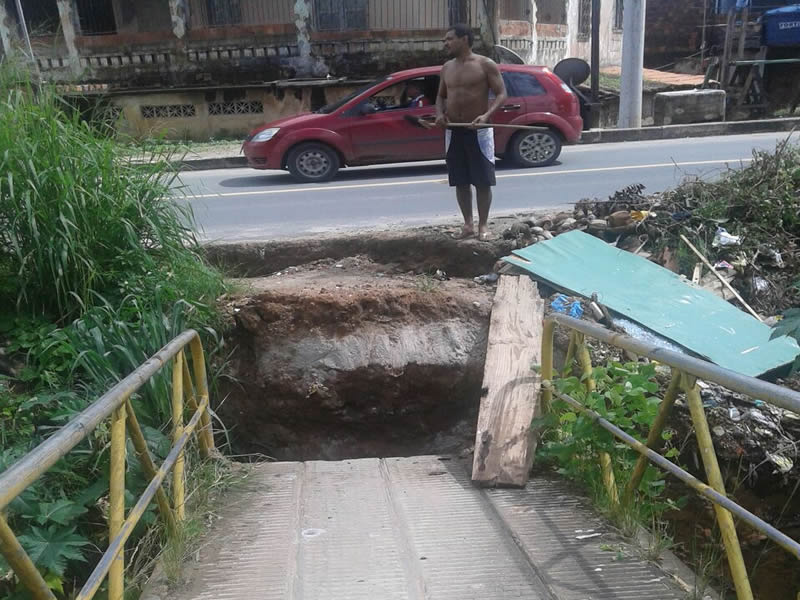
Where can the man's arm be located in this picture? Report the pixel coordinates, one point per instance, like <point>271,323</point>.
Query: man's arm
<point>441,100</point>
<point>496,84</point>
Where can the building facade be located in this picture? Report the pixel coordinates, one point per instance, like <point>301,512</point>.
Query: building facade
<point>239,62</point>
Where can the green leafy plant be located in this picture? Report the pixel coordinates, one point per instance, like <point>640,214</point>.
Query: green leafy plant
<point>625,396</point>
<point>789,325</point>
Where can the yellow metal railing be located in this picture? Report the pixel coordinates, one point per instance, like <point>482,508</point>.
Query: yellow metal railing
<point>686,370</point>
<point>117,405</point>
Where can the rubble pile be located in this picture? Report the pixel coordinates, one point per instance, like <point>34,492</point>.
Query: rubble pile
<point>746,224</point>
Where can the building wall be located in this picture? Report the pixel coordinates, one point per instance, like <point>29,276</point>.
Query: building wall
<point>610,37</point>
<point>673,30</point>
<point>199,115</point>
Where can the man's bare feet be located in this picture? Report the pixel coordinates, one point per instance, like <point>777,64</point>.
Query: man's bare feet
<point>485,235</point>
<point>465,232</point>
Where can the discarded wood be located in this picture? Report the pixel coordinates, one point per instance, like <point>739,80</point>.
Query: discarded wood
<point>698,272</point>
<point>504,445</point>
<point>720,277</point>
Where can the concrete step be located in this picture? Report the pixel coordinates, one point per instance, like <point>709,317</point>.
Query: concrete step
<point>408,528</point>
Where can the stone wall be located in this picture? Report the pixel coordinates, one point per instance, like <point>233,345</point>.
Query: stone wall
<point>673,30</point>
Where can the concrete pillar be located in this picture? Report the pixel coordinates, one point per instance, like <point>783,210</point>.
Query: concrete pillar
<point>630,97</point>
<point>68,13</point>
<point>179,11</point>
<point>9,30</point>
<point>534,57</point>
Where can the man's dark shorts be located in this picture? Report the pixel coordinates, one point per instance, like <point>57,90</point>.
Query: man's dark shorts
<point>470,156</point>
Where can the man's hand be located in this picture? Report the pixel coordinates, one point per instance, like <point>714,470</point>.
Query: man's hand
<point>480,120</point>
<point>442,120</point>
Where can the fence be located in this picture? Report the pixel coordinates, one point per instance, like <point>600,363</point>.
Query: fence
<point>339,15</point>
<point>116,404</point>
<point>686,370</point>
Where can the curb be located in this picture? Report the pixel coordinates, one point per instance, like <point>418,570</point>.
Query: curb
<point>670,132</point>
<point>592,136</point>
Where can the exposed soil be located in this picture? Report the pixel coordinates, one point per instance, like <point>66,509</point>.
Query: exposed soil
<point>342,359</point>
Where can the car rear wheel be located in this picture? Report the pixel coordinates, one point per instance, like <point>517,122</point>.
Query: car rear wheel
<point>535,148</point>
<point>313,162</point>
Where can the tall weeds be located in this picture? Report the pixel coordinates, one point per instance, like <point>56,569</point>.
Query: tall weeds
<point>78,216</point>
<point>99,268</point>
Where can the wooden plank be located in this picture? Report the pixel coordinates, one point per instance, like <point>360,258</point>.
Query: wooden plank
<point>503,444</point>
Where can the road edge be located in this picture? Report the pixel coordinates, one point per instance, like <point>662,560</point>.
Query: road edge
<point>592,136</point>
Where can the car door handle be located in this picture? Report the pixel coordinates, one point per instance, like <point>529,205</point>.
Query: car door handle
<point>511,107</point>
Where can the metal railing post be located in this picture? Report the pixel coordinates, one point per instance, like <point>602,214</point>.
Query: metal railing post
<point>704,441</point>
<point>201,382</point>
<point>116,574</point>
<point>190,399</point>
<point>585,361</point>
<point>140,444</point>
<point>178,482</point>
<point>655,433</point>
<point>22,564</point>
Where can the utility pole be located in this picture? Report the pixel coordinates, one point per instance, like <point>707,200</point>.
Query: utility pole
<point>630,97</point>
<point>595,51</point>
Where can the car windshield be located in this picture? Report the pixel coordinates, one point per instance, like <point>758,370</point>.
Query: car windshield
<point>329,108</point>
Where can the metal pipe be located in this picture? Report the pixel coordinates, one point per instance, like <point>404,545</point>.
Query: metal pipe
<point>784,541</point>
<point>140,444</point>
<point>608,478</point>
<point>96,578</point>
<point>595,66</point>
<point>655,434</point>
<point>190,400</point>
<point>116,513</point>
<point>21,563</point>
<point>201,381</point>
<point>749,386</point>
<point>729,538</point>
<point>178,491</point>
<point>30,467</point>
<point>585,360</point>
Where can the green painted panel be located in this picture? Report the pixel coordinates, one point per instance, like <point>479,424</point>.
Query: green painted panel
<point>658,299</point>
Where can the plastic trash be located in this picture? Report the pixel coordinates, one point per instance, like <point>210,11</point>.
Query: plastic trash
<point>722,264</point>
<point>576,310</point>
<point>723,238</point>
<point>559,304</point>
<point>488,278</point>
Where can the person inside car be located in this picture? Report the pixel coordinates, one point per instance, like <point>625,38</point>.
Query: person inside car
<point>415,95</point>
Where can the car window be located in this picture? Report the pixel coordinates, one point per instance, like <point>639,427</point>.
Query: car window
<point>406,94</point>
<point>523,84</point>
<point>329,108</point>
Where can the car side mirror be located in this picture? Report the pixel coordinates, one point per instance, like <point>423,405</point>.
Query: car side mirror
<point>367,108</point>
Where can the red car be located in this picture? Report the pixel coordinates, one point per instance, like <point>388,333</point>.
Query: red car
<point>379,124</point>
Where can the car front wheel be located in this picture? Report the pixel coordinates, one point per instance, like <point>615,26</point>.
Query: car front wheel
<point>535,148</point>
<point>313,162</point>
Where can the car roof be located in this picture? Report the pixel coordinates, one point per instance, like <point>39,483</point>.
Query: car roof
<point>434,70</point>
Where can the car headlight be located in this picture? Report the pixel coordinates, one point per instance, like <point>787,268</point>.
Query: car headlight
<point>266,135</point>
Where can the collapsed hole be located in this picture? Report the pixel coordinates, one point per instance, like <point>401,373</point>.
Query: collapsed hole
<point>349,359</point>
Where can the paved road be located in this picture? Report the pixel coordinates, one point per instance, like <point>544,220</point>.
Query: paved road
<point>245,204</point>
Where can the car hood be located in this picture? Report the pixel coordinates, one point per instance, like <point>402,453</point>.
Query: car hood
<point>304,119</point>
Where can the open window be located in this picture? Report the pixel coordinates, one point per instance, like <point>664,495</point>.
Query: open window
<point>407,94</point>
<point>96,17</point>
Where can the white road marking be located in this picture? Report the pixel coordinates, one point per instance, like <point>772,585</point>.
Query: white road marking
<point>356,186</point>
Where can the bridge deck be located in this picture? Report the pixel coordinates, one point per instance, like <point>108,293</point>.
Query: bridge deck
<point>410,528</point>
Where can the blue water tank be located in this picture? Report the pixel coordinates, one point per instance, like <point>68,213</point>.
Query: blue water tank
<point>781,26</point>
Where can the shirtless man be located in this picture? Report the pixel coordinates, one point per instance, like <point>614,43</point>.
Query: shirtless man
<point>463,97</point>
